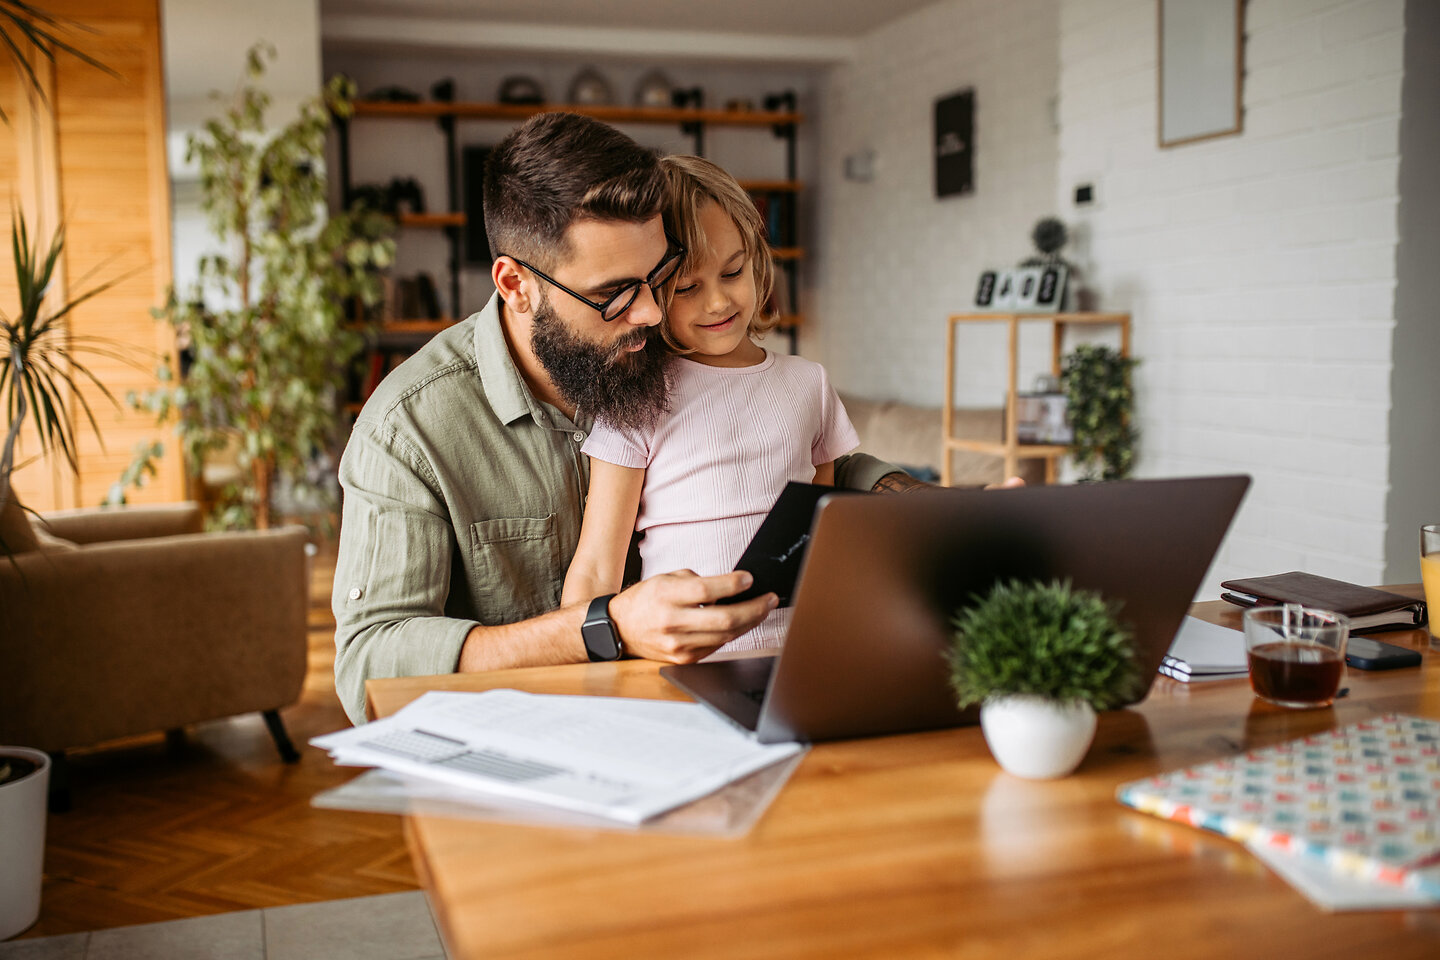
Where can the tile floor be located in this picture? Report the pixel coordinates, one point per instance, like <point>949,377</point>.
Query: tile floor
<point>393,926</point>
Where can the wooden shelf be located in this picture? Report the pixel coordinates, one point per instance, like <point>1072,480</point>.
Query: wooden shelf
<point>432,219</point>
<point>610,114</point>
<point>1010,449</point>
<point>790,321</point>
<point>788,253</point>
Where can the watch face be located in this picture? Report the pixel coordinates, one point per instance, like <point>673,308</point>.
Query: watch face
<point>598,632</point>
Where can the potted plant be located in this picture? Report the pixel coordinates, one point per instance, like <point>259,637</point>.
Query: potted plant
<point>24,785</point>
<point>1040,659</point>
<point>1099,400</point>
<point>266,322</point>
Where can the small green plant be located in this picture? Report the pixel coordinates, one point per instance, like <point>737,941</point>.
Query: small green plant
<point>1100,399</point>
<point>1046,640</point>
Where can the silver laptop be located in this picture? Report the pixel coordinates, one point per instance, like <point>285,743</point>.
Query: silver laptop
<point>883,575</point>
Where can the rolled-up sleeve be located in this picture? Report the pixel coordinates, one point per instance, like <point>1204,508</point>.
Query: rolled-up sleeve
<point>860,471</point>
<point>392,575</point>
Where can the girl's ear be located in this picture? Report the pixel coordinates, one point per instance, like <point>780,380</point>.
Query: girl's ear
<point>511,284</point>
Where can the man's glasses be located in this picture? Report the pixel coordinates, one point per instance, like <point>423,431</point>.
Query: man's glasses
<point>614,306</point>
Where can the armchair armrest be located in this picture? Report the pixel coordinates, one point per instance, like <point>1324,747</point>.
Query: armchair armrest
<point>102,524</point>
<point>120,638</point>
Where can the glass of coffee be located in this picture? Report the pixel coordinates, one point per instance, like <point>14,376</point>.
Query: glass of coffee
<point>1296,654</point>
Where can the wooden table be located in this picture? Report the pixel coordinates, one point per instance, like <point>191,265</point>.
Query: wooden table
<point>919,846</point>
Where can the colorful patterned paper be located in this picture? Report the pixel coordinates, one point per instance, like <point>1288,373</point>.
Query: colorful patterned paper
<point>1363,798</point>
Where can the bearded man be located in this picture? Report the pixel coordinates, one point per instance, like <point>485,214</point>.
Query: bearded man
<point>463,479</point>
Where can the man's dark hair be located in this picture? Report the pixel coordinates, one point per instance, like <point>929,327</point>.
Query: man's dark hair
<point>557,168</point>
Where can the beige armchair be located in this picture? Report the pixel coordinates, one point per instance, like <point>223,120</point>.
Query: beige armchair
<point>121,621</point>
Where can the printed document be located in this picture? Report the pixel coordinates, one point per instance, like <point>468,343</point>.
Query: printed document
<point>624,759</point>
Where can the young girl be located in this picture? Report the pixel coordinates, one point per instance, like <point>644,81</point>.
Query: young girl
<point>741,423</point>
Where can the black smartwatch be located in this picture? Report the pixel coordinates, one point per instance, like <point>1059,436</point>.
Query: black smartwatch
<point>602,642</point>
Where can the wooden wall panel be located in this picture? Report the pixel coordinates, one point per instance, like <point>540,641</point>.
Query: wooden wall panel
<point>113,192</point>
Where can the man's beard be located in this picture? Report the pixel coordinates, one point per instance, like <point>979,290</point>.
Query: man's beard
<point>609,383</point>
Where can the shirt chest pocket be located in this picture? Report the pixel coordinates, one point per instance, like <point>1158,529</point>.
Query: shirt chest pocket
<point>517,567</point>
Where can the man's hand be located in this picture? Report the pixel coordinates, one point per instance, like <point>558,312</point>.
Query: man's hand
<point>1007,484</point>
<point>901,482</point>
<point>673,616</point>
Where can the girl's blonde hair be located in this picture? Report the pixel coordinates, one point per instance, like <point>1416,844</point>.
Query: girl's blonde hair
<point>692,182</point>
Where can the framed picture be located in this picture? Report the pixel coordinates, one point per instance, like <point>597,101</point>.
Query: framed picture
<point>985,290</point>
<point>955,144</point>
<point>1005,290</point>
<point>1027,287</point>
<point>1040,418</point>
<point>1050,295</point>
<point>1200,69</point>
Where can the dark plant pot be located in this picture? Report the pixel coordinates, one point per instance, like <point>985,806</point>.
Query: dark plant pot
<point>22,839</point>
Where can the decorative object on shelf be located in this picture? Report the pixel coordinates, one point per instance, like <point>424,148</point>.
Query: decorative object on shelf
<point>955,144</point>
<point>782,102</point>
<point>985,289</point>
<point>393,95</point>
<point>1027,288</point>
<point>740,105</point>
<point>653,90</point>
<point>1201,69</point>
<point>1100,398</point>
<point>521,90</point>
<point>1050,237</point>
<point>1004,290</point>
<point>416,298</point>
<point>24,785</point>
<point>691,98</point>
<point>1040,415</point>
<point>397,197</point>
<point>443,91</point>
<point>1040,659</point>
<point>267,317</point>
<point>591,89</point>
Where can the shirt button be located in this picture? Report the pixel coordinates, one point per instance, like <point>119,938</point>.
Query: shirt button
<point>579,437</point>
<point>355,593</point>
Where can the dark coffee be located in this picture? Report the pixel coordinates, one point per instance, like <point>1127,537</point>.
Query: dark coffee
<point>1295,673</point>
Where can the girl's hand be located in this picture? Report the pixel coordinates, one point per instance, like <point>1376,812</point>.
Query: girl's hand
<point>673,617</point>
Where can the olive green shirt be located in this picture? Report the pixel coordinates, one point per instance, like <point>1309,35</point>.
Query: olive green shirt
<point>462,503</point>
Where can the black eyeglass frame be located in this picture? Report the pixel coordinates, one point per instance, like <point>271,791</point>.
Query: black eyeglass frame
<point>662,272</point>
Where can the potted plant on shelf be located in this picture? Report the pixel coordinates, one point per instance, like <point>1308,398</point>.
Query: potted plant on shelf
<point>1099,399</point>
<point>1040,659</point>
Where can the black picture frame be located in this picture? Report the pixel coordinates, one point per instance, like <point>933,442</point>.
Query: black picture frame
<point>954,144</point>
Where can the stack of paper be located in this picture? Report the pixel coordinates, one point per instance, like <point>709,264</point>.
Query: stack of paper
<point>619,759</point>
<point>1350,816</point>
<point>1205,651</point>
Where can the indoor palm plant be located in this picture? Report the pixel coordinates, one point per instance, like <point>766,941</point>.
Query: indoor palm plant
<point>266,323</point>
<point>1040,659</point>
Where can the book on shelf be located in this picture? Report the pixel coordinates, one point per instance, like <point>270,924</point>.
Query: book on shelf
<point>1368,608</point>
<point>1363,799</point>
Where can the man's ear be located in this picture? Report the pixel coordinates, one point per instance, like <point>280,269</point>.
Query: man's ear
<point>511,284</point>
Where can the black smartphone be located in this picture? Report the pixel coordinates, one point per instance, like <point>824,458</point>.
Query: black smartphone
<point>1366,654</point>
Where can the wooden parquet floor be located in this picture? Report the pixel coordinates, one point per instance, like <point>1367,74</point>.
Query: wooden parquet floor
<point>218,824</point>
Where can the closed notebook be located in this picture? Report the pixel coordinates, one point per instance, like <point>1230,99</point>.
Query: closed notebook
<point>1362,799</point>
<point>1367,607</point>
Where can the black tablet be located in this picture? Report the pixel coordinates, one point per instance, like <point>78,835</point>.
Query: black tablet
<point>774,554</point>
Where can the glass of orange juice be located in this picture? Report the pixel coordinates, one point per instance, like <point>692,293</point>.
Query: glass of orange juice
<point>1430,572</point>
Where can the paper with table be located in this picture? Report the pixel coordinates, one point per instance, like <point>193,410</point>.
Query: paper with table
<point>615,759</point>
<point>1361,802</point>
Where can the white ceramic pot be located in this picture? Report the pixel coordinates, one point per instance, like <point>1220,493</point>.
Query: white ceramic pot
<point>1037,738</point>
<point>22,843</point>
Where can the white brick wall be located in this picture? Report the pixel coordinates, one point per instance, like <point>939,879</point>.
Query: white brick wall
<point>1260,268</point>
<point>891,261</point>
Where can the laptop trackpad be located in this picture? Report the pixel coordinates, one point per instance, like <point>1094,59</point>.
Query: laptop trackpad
<point>733,688</point>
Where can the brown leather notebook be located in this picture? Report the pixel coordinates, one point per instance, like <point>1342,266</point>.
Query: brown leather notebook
<point>1367,607</point>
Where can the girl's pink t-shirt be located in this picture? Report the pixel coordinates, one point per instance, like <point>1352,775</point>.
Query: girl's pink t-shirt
<point>718,458</point>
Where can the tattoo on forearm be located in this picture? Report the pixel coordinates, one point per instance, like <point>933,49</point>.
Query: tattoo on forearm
<point>898,482</point>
